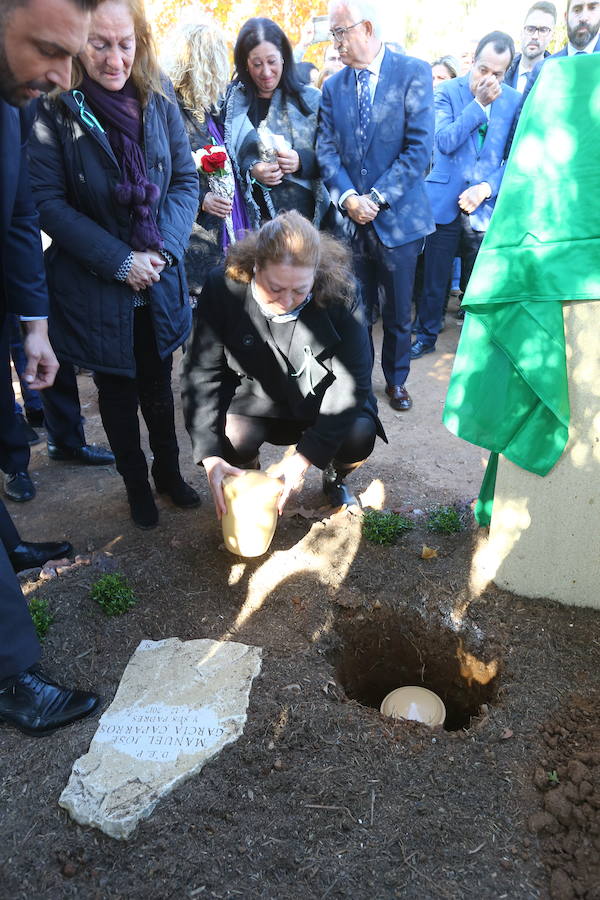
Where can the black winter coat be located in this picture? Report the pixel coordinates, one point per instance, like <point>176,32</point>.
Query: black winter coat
<point>233,363</point>
<point>74,173</point>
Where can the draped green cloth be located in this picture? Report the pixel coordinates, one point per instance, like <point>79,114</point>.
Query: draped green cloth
<point>508,391</point>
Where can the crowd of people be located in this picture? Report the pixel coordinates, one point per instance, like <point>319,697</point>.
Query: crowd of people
<point>263,219</point>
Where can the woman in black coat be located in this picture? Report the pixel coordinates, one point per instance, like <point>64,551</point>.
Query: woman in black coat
<point>117,192</point>
<point>198,66</point>
<point>280,353</point>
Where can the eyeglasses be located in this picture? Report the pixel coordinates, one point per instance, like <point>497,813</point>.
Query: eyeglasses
<point>338,34</point>
<point>542,30</point>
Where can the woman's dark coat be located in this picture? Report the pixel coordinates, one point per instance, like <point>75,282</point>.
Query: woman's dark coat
<point>232,364</point>
<point>205,250</point>
<point>74,173</point>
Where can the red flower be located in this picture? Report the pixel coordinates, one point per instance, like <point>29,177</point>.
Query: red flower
<point>212,162</point>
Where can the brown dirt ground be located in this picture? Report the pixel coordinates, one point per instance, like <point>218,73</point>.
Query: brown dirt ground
<point>322,796</point>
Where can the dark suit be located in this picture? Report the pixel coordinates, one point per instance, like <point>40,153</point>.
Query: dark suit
<point>512,73</point>
<point>22,290</point>
<point>393,161</point>
<point>458,163</point>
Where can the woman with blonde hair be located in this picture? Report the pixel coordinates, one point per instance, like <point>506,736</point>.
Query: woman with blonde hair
<point>198,65</point>
<point>280,353</point>
<point>117,192</point>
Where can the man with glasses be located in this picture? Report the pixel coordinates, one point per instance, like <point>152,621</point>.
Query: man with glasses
<point>538,31</point>
<point>374,145</point>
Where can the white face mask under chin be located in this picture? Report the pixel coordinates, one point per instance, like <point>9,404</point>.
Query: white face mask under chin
<point>278,317</point>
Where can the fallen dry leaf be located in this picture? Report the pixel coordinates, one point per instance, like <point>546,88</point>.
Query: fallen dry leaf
<point>428,552</point>
<point>302,512</point>
<point>506,734</point>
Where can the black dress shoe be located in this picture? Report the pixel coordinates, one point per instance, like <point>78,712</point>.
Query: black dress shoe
<point>31,555</point>
<point>181,493</point>
<point>88,454</point>
<point>35,417</point>
<point>399,397</point>
<point>141,503</point>
<point>29,434</point>
<point>36,705</point>
<point>19,487</point>
<point>420,348</point>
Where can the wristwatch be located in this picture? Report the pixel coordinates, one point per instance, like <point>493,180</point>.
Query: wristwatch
<point>378,200</point>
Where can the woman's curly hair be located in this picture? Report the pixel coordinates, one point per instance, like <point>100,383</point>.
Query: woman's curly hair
<point>291,239</point>
<point>198,65</point>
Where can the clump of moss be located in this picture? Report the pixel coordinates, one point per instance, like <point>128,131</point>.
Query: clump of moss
<point>382,527</point>
<point>113,594</point>
<point>444,520</point>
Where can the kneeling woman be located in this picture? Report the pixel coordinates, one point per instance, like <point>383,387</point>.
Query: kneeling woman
<point>280,354</point>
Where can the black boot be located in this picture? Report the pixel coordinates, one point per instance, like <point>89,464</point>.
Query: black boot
<point>141,503</point>
<point>333,484</point>
<point>181,493</point>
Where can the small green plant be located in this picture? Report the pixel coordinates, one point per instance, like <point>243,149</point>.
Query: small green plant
<point>553,777</point>
<point>444,520</point>
<point>41,615</point>
<point>381,527</point>
<point>113,594</point>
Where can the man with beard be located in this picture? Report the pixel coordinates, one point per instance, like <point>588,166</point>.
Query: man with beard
<point>38,39</point>
<point>538,31</point>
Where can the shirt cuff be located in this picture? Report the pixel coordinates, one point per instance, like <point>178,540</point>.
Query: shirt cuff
<point>32,318</point>
<point>124,269</point>
<point>350,193</point>
<point>168,257</point>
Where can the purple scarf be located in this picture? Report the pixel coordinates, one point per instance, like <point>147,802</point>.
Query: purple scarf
<point>120,112</point>
<point>238,212</point>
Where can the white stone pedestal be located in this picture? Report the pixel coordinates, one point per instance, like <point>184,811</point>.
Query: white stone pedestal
<point>545,532</point>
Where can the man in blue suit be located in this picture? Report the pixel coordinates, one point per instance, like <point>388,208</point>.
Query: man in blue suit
<point>473,117</point>
<point>37,40</point>
<point>374,145</point>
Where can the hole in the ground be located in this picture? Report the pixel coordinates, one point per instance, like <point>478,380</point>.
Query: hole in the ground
<point>383,650</point>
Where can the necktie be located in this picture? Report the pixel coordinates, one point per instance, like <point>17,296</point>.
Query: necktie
<point>364,104</point>
<point>481,133</point>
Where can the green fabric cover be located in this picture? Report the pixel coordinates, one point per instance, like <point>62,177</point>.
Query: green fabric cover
<point>508,391</point>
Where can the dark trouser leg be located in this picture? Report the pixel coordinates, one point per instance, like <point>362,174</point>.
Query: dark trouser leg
<point>470,242</point>
<point>244,436</point>
<point>397,275</point>
<point>118,404</point>
<point>62,412</point>
<point>9,536</point>
<point>14,449</point>
<point>440,249</point>
<point>19,646</point>
<point>365,269</point>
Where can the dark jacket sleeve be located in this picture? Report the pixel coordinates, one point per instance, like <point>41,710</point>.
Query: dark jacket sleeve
<point>346,397</point>
<point>24,274</point>
<point>178,212</point>
<point>207,383</point>
<point>92,245</point>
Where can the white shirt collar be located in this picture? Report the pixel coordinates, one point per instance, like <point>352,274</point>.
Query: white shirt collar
<point>374,66</point>
<point>571,50</point>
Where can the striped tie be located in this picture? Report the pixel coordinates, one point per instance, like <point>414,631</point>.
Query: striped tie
<point>364,104</point>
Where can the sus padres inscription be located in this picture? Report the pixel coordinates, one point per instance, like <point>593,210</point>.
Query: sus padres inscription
<point>178,704</point>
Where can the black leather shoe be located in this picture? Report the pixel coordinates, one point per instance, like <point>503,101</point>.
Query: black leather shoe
<point>35,417</point>
<point>18,486</point>
<point>29,434</point>
<point>30,555</point>
<point>88,454</point>
<point>37,706</point>
<point>141,503</point>
<point>420,348</point>
<point>181,493</point>
<point>335,490</point>
<point>399,397</point>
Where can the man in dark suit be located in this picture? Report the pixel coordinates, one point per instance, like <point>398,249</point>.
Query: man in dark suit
<point>473,117</point>
<point>37,41</point>
<point>538,31</point>
<point>374,145</point>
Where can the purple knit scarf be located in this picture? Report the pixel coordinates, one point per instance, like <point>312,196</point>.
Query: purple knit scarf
<point>120,113</point>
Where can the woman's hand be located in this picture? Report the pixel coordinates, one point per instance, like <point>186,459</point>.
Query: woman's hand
<point>216,205</point>
<point>292,469</point>
<point>145,269</point>
<point>289,161</point>
<point>216,470</point>
<point>268,174</point>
